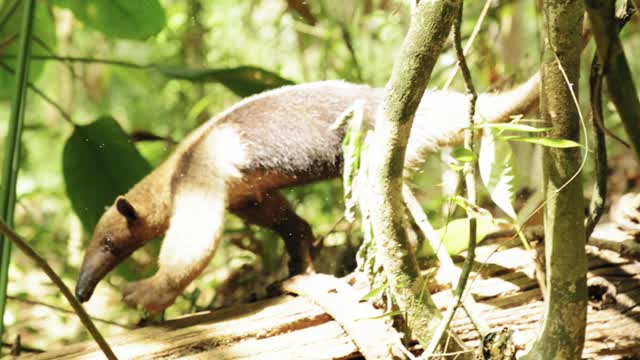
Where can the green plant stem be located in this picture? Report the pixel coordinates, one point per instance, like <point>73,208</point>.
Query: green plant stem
<point>446,263</point>
<point>430,26</point>
<point>77,307</point>
<point>12,148</point>
<point>470,185</point>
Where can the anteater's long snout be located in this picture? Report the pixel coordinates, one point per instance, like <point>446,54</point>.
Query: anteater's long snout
<point>85,287</point>
<point>95,267</point>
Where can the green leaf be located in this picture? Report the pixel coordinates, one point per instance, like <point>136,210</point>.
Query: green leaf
<point>375,292</point>
<point>554,143</point>
<point>515,127</point>
<point>99,163</point>
<point>242,80</point>
<point>124,19</point>
<point>455,235</point>
<point>497,171</point>
<point>387,314</point>
<point>462,155</point>
<point>462,202</point>
<point>44,41</point>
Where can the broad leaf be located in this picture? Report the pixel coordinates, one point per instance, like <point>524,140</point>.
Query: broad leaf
<point>242,80</point>
<point>124,19</point>
<point>497,170</point>
<point>43,41</point>
<point>99,163</point>
<point>554,143</point>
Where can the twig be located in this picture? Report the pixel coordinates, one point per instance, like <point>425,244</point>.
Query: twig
<point>474,33</point>
<point>599,196</point>
<point>348,41</point>
<point>40,93</point>
<point>6,42</point>
<point>469,177</point>
<point>418,215</point>
<point>77,307</point>
<point>9,14</point>
<point>50,51</point>
<point>68,311</point>
<point>86,59</point>
<point>24,348</point>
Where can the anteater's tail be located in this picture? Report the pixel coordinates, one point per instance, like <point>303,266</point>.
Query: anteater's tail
<point>442,116</point>
<point>499,107</point>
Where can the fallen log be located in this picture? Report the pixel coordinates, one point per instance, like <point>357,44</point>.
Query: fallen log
<point>289,327</point>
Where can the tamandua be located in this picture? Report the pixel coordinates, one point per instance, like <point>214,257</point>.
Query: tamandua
<point>240,158</point>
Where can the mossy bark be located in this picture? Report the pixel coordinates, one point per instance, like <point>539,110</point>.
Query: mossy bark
<point>620,85</point>
<point>563,330</point>
<point>430,27</point>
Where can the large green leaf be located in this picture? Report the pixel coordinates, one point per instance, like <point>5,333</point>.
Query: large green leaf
<point>124,19</point>
<point>44,41</point>
<point>242,80</point>
<point>99,163</point>
<point>455,235</point>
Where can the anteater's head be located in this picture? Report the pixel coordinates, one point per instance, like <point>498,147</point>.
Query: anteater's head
<point>120,231</point>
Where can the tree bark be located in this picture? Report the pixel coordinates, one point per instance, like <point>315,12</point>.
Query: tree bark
<point>430,26</point>
<point>563,330</point>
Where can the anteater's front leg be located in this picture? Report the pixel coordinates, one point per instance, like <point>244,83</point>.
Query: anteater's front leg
<point>190,242</point>
<point>274,212</point>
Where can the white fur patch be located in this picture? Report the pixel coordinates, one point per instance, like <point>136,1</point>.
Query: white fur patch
<point>225,150</point>
<point>194,231</point>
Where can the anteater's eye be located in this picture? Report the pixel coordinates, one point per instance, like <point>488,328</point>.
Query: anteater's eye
<point>107,244</point>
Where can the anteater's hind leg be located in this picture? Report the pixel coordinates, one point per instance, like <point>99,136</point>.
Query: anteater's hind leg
<point>274,212</point>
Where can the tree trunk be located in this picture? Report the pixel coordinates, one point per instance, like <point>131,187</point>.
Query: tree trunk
<point>563,330</point>
<point>430,26</point>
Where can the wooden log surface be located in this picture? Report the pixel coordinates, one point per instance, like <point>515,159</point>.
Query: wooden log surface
<point>288,327</point>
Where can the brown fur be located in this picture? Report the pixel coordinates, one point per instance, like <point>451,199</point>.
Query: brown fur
<point>239,160</point>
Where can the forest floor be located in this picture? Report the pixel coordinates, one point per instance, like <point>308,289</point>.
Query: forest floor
<point>288,327</point>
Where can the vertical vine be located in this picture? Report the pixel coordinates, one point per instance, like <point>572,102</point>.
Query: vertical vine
<point>11,161</point>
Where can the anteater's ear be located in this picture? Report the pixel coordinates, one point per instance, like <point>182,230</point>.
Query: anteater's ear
<point>126,209</point>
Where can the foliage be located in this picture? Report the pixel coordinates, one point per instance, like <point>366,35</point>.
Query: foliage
<point>455,235</point>
<point>119,18</point>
